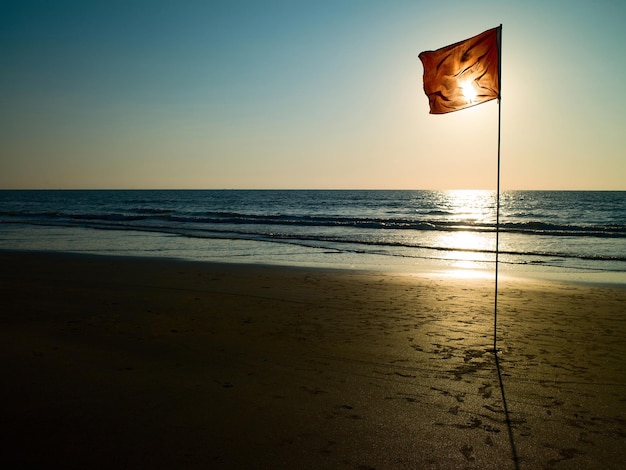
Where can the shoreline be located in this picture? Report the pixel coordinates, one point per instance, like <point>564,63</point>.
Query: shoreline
<point>113,242</point>
<point>377,264</point>
<point>125,362</point>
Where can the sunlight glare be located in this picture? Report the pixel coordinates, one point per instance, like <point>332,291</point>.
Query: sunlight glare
<point>471,205</point>
<point>468,90</point>
<point>470,211</point>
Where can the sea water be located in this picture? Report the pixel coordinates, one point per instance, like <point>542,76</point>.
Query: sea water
<point>575,234</point>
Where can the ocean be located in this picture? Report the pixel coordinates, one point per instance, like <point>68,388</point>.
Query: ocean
<point>572,234</point>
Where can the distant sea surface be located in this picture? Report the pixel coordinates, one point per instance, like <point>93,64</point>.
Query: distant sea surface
<point>580,234</point>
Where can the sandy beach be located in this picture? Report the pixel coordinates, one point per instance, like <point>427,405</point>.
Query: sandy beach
<point>150,363</point>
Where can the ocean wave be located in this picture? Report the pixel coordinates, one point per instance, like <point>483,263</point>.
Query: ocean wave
<point>341,243</point>
<point>240,219</point>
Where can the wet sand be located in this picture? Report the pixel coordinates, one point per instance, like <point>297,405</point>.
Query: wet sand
<point>147,363</point>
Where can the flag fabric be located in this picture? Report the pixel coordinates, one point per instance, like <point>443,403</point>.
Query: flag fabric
<point>463,74</point>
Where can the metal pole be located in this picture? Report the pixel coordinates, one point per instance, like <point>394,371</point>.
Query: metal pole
<point>495,303</point>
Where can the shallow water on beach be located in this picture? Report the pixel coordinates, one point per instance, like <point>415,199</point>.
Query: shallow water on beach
<point>578,234</point>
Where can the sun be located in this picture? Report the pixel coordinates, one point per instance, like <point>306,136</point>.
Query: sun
<point>468,90</point>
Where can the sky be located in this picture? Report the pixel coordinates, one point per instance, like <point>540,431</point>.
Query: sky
<point>305,94</point>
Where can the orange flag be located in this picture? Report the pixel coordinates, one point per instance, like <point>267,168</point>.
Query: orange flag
<point>463,74</point>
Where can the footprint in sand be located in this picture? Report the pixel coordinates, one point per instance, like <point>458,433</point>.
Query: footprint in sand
<point>224,383</point>
<point>565,454</point>
<point>468,452</point>
<point>313,391</point>
<point>486,390</point>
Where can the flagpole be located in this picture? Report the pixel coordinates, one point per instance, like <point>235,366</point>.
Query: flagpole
<point>495,302</point>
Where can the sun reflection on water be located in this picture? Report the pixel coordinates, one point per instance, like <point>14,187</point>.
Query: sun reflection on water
<point>470,248</point>
<point>471,205</point>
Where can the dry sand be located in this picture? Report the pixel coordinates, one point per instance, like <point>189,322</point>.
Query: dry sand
<point>145,363</point>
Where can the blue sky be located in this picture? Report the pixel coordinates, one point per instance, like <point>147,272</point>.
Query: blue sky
<point>319,94</point>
